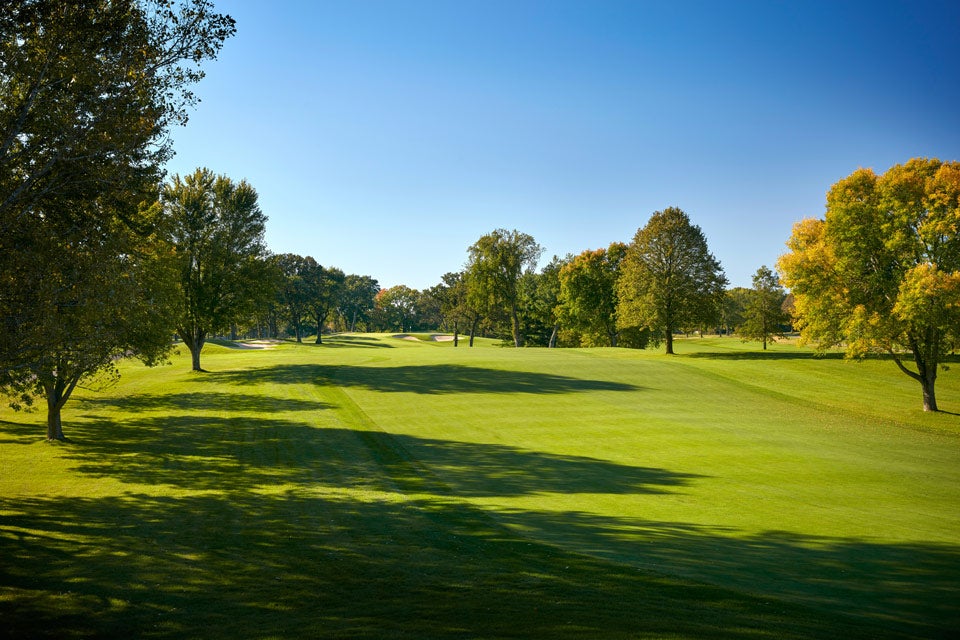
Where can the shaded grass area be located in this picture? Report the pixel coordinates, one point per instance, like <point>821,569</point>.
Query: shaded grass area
<point>311,557</point>
<point>262,501</point>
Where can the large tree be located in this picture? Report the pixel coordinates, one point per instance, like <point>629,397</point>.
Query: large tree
<point>357,300</point>
<point>296,291</point>
<point>763,315</point>
<point>217,228</point>
<point>398,306</point>
<point>88,92</point>
<point>669,279</point>
<point>588,292</point>
<point>881,271</point>
<point>112,300</point>
<point>497,261</point>
<point>326,285</point>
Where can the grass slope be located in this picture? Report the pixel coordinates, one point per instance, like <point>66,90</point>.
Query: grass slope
<point>374,487</point>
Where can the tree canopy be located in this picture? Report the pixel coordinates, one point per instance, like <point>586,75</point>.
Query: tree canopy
<point>881,271</point>
<point>669,279</point>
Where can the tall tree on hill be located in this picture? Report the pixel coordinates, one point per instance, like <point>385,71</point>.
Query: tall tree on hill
<point>669,279</point>
<point>217,228</point>
<point>881,271</point>
<point>764,317</point>
<point>496,263</point>
<point>88,93</point>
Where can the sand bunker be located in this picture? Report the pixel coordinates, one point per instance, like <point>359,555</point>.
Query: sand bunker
<point>435,337</point>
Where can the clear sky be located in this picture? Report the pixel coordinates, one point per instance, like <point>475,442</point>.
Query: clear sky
<point>385,137</point>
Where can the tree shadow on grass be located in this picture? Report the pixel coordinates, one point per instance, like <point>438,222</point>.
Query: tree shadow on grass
<point>210,452</point>
<point>279,528</point>
<point>913,588</point>
<point>201,401</point>
<point>424,379</point>
<point>241,564</point>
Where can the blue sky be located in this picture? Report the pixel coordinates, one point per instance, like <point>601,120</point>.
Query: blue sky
<point>384,138</point>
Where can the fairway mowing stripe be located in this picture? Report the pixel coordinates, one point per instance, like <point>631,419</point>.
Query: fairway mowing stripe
<point>821,407</point>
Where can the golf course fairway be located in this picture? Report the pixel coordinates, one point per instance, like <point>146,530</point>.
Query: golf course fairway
<point>384,487</point>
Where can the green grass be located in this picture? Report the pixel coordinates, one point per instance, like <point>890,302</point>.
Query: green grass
<point>373,487</point>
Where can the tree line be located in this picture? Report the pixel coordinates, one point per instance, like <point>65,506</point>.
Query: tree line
<point>102,259</point>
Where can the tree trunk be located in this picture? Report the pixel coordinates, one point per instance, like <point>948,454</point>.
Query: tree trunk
<point>929,396</point>
<point>926,375</point>
<point>613,337</point>
<point>320,321</point>
<point>473,329</point>
<point>194,340</point>
<point>54,426</point>
<point>669,336</point>
<point>515,325</point>
<point>553,336</point>
<point>456,333</point>
<point>57,392</point>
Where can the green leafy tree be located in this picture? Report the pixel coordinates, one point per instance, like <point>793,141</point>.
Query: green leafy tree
<point>763,316</point>
<point>110,301</point>
<point>296,292</point>
<point>357,300</point>
<point>88,93</point>
<point>429,317</point>
<point>262,322</point>
<point>217,228</point>
<point>588,292</point>
<point>669,279</point>
<point>398,305</point>
<point>734,307</point>
<point>497,261</point>
<point>541,293</point>
<point>326,284</point>
<point>881,271</point>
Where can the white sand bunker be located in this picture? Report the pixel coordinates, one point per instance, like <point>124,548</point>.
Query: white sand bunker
<point>247,344</point>
<point>435,337</point>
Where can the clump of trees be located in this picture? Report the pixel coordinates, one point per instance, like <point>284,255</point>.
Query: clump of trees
<point>625,295</point>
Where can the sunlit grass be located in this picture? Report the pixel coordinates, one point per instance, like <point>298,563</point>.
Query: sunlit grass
<point>380,487</point>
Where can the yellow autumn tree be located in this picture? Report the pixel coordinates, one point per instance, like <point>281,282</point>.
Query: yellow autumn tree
<point>881,271</point>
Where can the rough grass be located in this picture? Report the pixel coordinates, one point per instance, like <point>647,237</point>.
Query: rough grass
<point>373,487</point>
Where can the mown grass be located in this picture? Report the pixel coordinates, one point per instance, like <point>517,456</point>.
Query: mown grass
<point>373,487</point>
